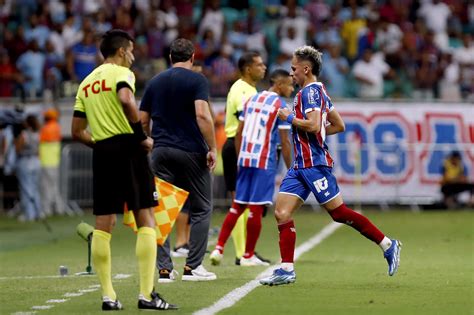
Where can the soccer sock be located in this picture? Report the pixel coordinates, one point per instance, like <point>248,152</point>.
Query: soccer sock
<point>229,223</point>
<point>385,243</point>
<point>146,253</point>
<point>343,214</point>
<point>101,257</point>
<point>254,226</point>
<point>287,241</point>
<point>239,234</point>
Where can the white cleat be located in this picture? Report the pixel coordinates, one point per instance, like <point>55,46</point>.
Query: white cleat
<point>252,261</point>
<point>216,257</point>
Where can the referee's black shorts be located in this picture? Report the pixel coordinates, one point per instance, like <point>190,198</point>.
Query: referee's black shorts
<point>121,174</point>
<point>229,160</point>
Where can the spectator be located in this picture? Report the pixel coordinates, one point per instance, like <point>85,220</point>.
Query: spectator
<point>296,18</point>
<point>82,58</point>
<point>9,76</point>
<point>54,65</point>
<point>464,56</point>
<point>167,16</point>
<point>238,39</point>
<point>15,43</point>
<point>455,180</point>
<point>37,31</point>
<point>350,32</point>
<point>50,158</point>
<point>31,64</point>
<point>71,34</point>
<point>222,72</point>
<point>369,72</point>
<point>426,77</point>
<point>436,14</point>
<point>212,20</point>
<point>289,42</point>
<point>450,75</point>
<point>28,169</point>
<point>335,71</point>
<point>328,34</point>
<point>101,23</point>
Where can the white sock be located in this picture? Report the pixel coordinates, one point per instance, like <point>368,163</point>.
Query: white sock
<point>385,243</point>
<point>287,266</point>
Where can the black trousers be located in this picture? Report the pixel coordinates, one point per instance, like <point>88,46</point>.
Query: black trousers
<point>188,171</point>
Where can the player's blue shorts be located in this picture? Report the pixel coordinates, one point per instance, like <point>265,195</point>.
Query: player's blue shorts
<point>317,179</point>
<point>255,186</point>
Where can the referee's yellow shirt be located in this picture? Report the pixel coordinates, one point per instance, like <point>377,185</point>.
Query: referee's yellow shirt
<point>97,98</point>
<point>239,93</point>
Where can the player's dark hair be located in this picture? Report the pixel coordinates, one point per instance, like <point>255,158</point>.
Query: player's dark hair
<point>112,40</point>
<point>312,55</point>
<point>181,50</point>
<point>247,60</point>
<point>277,74</point>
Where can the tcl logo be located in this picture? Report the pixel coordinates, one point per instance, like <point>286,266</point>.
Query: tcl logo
<point>96,87</point>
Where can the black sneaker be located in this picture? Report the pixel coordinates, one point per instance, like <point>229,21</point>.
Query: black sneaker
<point>237,261</point>
<point>167,276</point>
<point>262,259</point>
<point>156,303</point>
<point>110,305</point>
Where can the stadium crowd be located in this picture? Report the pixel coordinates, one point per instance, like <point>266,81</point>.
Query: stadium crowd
<point>372,49</point>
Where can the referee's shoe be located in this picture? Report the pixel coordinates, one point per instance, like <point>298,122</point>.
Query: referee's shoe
<point>156,303</point>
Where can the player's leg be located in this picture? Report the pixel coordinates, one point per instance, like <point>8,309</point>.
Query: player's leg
<point>230,220</point>
<point>286,205</point>
<point>260,190</point>
<point>324,187</point>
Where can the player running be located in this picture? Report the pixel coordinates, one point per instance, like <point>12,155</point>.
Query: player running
<point>256,142</point>
<point>313,117</point>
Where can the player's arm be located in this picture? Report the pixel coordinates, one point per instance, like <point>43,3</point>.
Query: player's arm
<point>79,129</point>
<point>311,124</point>
<point>206,126</point>
<point>336,123</point>
<point>285,146</point>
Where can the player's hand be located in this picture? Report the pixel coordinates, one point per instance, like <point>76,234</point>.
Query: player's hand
<point>283,113</point>
<point>147,144</point>
<point>211,159</point>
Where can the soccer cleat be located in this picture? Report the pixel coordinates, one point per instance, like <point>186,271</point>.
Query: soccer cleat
<point>167,276</point>
<point>237,261</point>
<point>252,261</point>
<point>156,303</point>
<point>262,259</point>
<point>392,255</point>
<point>110,305</point>
<point>198,274</point>
<point>216,257</point>
<point>181,251</point>
<point>278,277</point>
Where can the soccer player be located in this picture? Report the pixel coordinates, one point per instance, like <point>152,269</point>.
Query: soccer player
<point>184,150</point>
<point>256,141</point>
<point>312,119</point>
<point>121,173</point>
<point>252,70</point>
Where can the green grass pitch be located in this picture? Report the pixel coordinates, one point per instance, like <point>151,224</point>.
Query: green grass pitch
<point>345,274</point>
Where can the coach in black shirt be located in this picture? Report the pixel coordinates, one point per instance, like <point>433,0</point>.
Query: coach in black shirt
<point>184,149</point>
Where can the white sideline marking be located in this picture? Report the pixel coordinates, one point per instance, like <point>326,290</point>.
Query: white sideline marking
<point>91,288</point>
<point>237,294</point>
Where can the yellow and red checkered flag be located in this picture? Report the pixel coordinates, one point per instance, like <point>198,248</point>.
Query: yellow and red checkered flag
<point>171,200</point>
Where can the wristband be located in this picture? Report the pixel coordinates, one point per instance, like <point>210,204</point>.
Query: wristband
<point>290,118</point>
<point>138,131</point>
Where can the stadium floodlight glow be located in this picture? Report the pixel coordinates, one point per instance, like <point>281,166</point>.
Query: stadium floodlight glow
<point>85,230</point>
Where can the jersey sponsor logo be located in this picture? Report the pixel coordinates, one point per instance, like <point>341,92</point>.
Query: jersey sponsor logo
<point>313,96</point>
<point>96,87</point>
<point>321,184</point>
